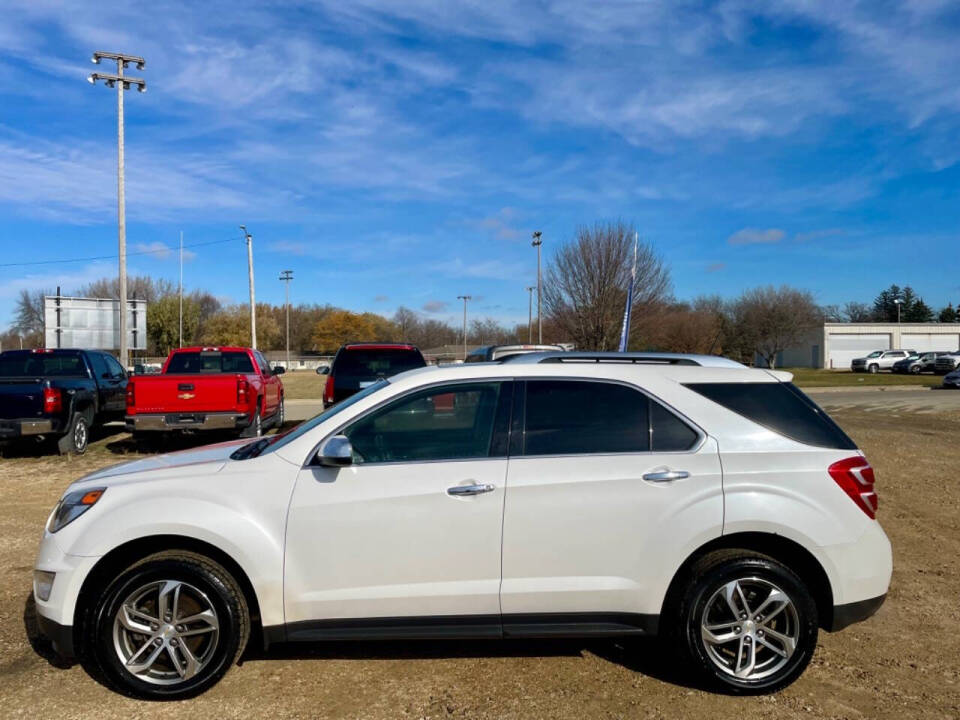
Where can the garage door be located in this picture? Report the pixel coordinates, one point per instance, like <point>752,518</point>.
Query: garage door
<point>921,342</point>
<point>845,347</point>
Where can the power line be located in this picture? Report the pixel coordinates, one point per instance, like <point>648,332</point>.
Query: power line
<point>165,248</point>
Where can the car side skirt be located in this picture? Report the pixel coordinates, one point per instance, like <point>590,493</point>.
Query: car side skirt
<point>462,627</point>
<point>850,613</point>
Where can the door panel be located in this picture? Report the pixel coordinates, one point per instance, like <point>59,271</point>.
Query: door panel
<point>388,540</point>
<point>589,534</point>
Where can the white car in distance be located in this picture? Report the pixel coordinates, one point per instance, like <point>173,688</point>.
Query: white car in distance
<point>557,494</point>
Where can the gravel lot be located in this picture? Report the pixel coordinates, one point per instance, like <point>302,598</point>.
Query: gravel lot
<point>904,663</point>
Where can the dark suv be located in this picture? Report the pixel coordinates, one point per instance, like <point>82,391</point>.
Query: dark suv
<point>359,365</point>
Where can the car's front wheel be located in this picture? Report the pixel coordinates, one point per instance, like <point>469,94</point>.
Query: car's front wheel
<point>168,627</point>
<point>873,369</point>
<point>749,624</point>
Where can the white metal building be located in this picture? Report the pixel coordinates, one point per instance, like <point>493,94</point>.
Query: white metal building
<point>837,344</point>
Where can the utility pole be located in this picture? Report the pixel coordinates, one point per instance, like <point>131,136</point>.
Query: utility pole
<point>181,288</point>
<point>286,276</point>
<point>530,313</point>
<point>537,242</point>
<point>121,82</point>
<point>253,303</point>
<point>464,298</point>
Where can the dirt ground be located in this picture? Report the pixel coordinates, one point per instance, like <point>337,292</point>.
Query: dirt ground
<point>904,663</point>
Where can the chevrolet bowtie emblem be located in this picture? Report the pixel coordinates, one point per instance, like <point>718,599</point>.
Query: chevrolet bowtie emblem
<point>186,396</point>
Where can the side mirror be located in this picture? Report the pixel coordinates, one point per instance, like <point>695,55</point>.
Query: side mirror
<point>279,370</point>
<point>325,370</point>
<point>335,452</point>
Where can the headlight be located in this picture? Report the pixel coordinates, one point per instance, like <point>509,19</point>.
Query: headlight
<point>73,506</point>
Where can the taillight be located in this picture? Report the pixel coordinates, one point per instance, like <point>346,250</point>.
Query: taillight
<point>131,396</point>
<point>328,390</point>
<point>52,400</point>
<point>855,477</point>
<point>243,390</point>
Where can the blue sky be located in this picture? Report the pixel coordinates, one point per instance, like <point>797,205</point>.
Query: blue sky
<point>401,151</point>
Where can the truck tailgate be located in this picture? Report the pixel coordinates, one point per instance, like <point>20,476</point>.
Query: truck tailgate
<point>185,393</point>
<point>20,398</point>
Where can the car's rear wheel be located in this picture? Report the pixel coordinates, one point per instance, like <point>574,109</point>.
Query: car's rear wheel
<point>915,369</point>
<point>169,626</point>
<point>255,428</point>
<point>749,624</point>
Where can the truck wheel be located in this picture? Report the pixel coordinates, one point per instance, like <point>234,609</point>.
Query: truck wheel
<point>77,437</point>
<point>873,369</point>
<point>281,415</point>
<point>915,369</point>
<point>255,428</point>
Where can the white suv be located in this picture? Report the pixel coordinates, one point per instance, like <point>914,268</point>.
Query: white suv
<point>563,494</point>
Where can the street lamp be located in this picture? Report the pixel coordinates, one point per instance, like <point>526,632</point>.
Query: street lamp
<point>121,82</point>
<point>537,242</point>
<point>530,313</point>
<point>253,304</point>
<point>286,276</point>
<point>464,298</point>
<point>898,302</point>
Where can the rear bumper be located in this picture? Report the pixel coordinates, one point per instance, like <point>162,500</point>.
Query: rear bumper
<point>846,615</point>
<point>25,427</point>
<point>161,422</point>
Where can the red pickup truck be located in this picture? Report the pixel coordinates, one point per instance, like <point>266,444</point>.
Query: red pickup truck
<point>207,388</point>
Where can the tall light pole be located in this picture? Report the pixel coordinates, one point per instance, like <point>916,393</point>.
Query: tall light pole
<point>530,313</point>
<point>181,288</point>
<point>898,302</point>
<point>253,302</point>
<point>464,298</point>
<point>286,276</point>
<point>121,82</point>
<point>537,242</point>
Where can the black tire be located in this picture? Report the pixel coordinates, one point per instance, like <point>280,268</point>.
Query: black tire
<point>77,437</point>
<point>699,601</point>
<point>255,428</point>
<point>280,415</point>
<point>873,369</point>
<point>915,369</point>
<point>104,639</point>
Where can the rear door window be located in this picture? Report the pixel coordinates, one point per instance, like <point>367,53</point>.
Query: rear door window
<point>572,417</point>
<point>780,407</point>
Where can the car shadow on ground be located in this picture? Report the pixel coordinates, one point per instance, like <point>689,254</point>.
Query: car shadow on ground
<point>646,656</point>
<point>35,447</point>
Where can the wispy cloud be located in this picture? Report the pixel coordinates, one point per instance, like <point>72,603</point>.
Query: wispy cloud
<point>716,267</point>
<point>756,236</point>
<point>436,306</point>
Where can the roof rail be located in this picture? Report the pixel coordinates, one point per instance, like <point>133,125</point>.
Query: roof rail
<point>634,358</point>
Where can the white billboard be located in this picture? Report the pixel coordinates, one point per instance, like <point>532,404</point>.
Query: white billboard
<point>71,322</point>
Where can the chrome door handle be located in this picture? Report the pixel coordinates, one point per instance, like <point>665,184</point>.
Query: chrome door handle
<point>461,490</point>
<point>666,476</point>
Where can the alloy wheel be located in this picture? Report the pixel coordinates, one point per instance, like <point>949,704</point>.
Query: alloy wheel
<point>750,628</point>
<point>165,632</point>
<point>80,435</point>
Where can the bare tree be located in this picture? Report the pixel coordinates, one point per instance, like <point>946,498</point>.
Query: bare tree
<point>406,320</point>
<point>585,285</point>
<point>769,320</point>
<point>857,312</point>
<point>28,318</point>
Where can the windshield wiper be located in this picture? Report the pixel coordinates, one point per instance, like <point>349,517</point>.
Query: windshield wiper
<point>251,449</point>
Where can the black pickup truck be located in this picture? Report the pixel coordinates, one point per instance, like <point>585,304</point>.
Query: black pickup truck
<point>59,395</point>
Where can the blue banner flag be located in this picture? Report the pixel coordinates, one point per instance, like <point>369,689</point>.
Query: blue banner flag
<point>625,330</point>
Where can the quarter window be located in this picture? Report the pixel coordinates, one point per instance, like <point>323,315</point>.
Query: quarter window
<point>453,422</point>
<point>668,433</point>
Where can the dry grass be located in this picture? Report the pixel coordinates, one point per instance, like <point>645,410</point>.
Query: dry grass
<point>902,664</point>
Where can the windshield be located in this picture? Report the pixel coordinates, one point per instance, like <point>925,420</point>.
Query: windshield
<point>875,353</point>
<point>30,364</point>
<point>310,424</point>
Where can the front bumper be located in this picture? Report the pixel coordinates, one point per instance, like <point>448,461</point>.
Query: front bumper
<point>161,422</point>
<point>951,382</point>
<point>28,426</point>
<point>60,636</point>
